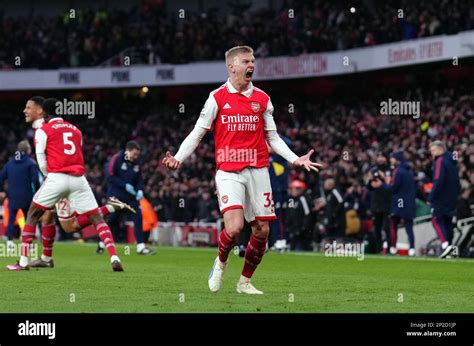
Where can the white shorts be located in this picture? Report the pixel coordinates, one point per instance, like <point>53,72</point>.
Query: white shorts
<point>64,209</point>
<point>57,186</point>
<point>249,190</point>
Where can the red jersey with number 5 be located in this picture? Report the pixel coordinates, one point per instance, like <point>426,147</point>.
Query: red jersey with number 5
<point>63,147</point>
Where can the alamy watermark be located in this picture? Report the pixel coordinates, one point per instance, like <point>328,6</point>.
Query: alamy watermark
<point>66,107</point>
<point>227,154</point>
<point>391,107</point>
<point>28,328</point>
<point>14,250</point>
<point>336,249</point>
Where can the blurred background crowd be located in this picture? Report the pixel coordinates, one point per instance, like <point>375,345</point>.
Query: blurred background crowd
<point>350,137</point>
<point>152,34</point>
<point>342,123</point>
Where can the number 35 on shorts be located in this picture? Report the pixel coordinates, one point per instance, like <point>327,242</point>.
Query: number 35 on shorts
<point>268,201</point>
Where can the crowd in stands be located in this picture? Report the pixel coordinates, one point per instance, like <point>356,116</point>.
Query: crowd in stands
<point>346,134</point>
<point>89,38</point>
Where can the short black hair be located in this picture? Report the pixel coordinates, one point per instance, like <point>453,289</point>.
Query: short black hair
<point>49,106</point>
<point>39,100</point>
<point>132,145</point>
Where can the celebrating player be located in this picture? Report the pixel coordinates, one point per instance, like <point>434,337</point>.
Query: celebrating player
<point>69,219</point>
<point>241,117</point>
<point>59,154</point>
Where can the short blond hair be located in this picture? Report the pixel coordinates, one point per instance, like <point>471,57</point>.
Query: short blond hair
<point>438,144</point>
<point>234,51</point>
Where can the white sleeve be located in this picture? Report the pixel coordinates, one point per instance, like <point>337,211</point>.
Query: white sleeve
<point>273,139</point>
<point>304,203</point>
<point>40,145</point>
<point>279,146</point>
<point>190,143</point>
<point>268,122</point>
<point>208,113</point>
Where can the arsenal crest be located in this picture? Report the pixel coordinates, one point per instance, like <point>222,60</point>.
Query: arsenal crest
<point>225,199</point>
<point>255,106</point>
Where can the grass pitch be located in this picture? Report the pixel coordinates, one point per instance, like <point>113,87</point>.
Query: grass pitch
<point>175,280</point>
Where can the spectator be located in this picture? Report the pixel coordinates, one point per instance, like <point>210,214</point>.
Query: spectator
<point>299,222</point>
<point>380,200</point>
<point>334,213</point>
<point>153,35</point>
<point>208,210</point>
<point>464,207</point>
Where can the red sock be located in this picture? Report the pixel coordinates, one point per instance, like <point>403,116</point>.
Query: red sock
<point>84,221</point>
<point>48,232</point>
<point>27,236</point>
<point>226,243</point>
<point>253,255</point>
<point>104,210</point>
<point>106,237</point>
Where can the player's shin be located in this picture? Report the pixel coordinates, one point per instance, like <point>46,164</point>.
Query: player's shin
<point>27,236</point>
<point>226,243</point>
<point>106,237</point>
<point>48,233</point>
<point>253,255</point>
<point>83,220</point>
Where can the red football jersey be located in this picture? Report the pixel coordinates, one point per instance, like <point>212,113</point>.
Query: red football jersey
<point>62,142</point>
<point>239,121</point>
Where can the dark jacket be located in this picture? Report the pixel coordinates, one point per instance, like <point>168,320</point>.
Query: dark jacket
<point>335,214</point>
<point>444,194</point>
<point>120,172</point>
<point>380,198</point>
<point>463,209</point>
<point>298,220</point>
<point>23,180</point>
<point>403,188</point>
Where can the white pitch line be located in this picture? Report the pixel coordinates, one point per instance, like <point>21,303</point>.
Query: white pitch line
<point>299,253</point>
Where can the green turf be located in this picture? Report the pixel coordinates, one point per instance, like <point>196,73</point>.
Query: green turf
<point>175,280</point>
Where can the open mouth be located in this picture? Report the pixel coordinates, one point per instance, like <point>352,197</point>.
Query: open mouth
<point>249,74</point>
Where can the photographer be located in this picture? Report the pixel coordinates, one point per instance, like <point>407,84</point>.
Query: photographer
<point>380,200</point>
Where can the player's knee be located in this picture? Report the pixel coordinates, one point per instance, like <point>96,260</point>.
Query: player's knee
<point>96,218</point>
<point>261,229</point>
<point>70,226</point>
<point>34,214</point>
<point>47,218</point>
<point>234,228</point>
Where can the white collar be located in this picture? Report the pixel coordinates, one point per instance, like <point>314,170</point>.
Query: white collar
<point>38,123</point>
<point>55,119</point>
<point>232,90</point>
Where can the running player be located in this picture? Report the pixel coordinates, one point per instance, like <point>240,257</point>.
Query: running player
<point>241,117</point>
<point>59,154</point>
<point>68,218</point>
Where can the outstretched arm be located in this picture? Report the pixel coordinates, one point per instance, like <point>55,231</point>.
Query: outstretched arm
<point>190,143</point>
<point>280,147</point>
<point>188,146</point>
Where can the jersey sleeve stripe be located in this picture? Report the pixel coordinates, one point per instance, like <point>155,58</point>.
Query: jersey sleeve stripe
<point>112,164</point>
